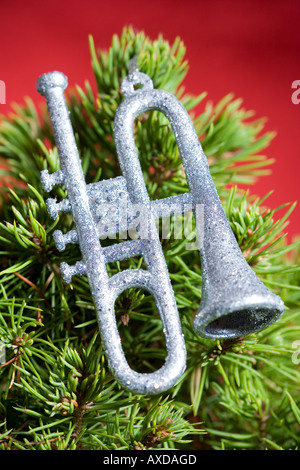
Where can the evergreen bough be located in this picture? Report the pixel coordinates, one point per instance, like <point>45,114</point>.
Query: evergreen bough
<point>56,390</point>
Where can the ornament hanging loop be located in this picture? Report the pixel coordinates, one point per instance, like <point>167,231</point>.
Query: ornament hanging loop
<point>136,82</point>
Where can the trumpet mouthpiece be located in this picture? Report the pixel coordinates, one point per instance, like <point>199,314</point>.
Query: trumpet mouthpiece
<point>51,80</point>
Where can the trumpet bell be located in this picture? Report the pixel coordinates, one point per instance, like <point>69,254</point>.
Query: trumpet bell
<point>241,316</point>
<point>235,302</point>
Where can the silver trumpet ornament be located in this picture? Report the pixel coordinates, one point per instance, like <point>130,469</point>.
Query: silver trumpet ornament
<point>234,301</point>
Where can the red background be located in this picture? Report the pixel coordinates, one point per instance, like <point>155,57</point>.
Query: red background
<point>248,47</point>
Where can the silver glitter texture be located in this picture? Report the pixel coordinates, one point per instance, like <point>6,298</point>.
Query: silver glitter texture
<point>234,301</point>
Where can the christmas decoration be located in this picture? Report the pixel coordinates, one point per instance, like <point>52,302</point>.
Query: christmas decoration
<point>234,301</point>
<point>57,391</point>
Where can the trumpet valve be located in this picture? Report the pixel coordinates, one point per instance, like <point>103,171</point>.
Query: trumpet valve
<point>69,271</point>
<point>61,239</point>
<point>48,180</point>
<point>54,207</point>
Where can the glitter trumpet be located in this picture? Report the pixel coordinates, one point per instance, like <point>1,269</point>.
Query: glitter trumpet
<point>234,301</point>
